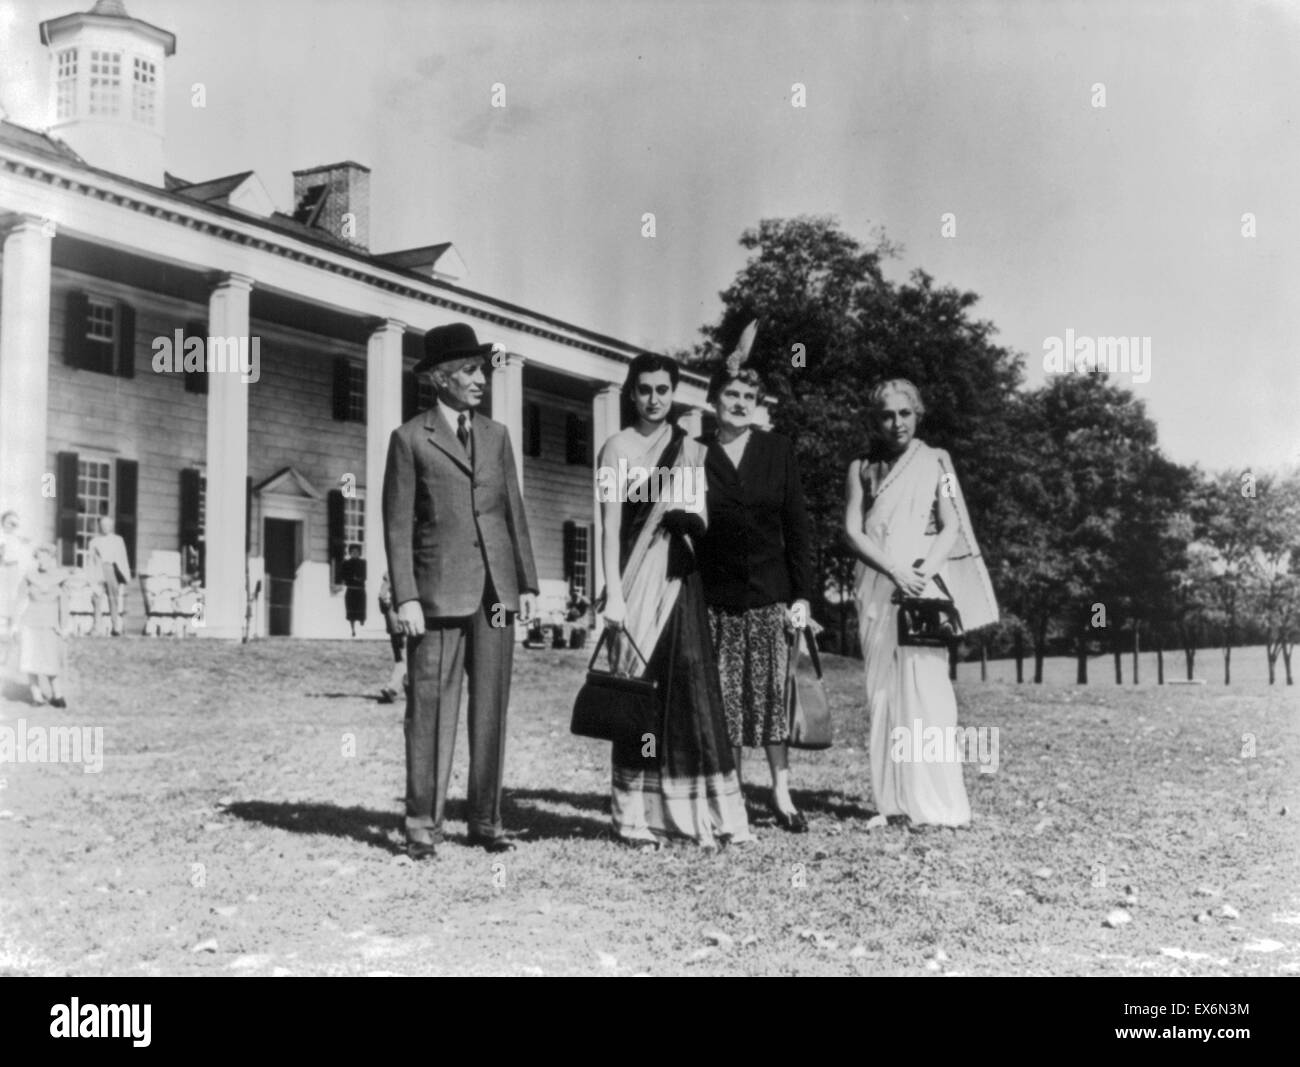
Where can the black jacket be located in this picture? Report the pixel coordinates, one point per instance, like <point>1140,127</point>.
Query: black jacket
<point>758,548</point>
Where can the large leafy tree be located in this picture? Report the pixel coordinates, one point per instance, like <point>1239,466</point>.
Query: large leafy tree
<point>1272,584</point>
<point>1231,531</point>
<point>1094,541</point>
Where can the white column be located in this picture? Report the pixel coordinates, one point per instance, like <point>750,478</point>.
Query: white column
<point>383,416</point>
<point>606,421</point>
<point>25,374</point>
<point>227,462</point>
<point>508,403</point>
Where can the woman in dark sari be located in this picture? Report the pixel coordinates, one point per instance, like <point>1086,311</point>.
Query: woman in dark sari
<point>650,485</point>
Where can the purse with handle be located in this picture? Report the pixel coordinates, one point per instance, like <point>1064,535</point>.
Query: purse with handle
<point>616,707</point>
<point>805,696</point>
<point>928,622</point>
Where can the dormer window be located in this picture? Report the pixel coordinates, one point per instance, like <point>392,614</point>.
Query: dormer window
<point>105,83</point>
<point>144,92</point>
<point>66,101</point>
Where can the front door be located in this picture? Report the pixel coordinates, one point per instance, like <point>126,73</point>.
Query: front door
<point>280,540</point>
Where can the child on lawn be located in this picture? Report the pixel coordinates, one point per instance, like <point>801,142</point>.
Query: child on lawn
<point>42,616</point>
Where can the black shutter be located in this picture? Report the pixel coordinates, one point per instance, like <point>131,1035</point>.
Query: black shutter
<point>532,430</point>
<point>337,546</point>
<point>197,382</point>
<point>591,560</point>
<point>576,432</point>
<point>410,396</point>
<point>341,382</point>
<point>191,533</point>
<point>128,478</point>
<point>125,355</point>
<point>74,329</point>
<point>570,549</point>
<point>65,524</point>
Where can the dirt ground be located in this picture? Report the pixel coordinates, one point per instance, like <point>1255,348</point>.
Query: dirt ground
<point>247,820</point>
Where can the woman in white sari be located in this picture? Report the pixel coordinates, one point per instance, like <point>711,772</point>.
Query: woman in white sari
<point>650,485</point>
<point>907,521</point>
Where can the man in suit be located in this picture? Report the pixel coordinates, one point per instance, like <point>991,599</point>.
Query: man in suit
<point>461,566</point>
<point>109,571</point>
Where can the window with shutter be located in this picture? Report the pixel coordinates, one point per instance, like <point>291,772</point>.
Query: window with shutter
<point>349,390</point>
<point>91,332</point>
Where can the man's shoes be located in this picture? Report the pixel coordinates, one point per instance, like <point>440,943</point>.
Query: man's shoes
<point>387,695</point>
<point>58,702</point>
<point>492,844</point>
<point>421,844</point>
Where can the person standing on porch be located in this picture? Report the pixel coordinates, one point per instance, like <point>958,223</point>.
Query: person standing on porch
<point>109,571</point>
<point>352,573</point>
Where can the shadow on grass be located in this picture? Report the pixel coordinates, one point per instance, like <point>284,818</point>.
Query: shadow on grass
<point>366,825</point>
<point>373,697</point>
<point>829,802</point>
<point>810,802</point>
<point>527,813</point>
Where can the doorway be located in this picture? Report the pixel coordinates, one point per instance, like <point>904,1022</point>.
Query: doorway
<point>280,541</point>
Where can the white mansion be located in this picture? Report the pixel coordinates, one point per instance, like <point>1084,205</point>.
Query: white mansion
<point>267,480</point>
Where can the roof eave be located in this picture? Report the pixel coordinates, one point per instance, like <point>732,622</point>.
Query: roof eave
<point>51,26</point>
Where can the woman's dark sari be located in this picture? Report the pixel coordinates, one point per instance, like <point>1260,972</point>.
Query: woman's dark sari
<point>683,783</point>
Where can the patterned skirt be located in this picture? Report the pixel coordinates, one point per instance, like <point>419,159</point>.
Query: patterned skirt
<point>753,655</point>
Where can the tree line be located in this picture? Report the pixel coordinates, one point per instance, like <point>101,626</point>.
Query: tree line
<point>1095,540</point>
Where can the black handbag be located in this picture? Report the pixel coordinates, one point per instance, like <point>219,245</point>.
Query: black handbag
<point>615,707</point>
<point>805,698</point>
<point>928,622</point>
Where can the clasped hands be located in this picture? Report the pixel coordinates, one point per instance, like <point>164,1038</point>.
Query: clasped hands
<point>912,580</point>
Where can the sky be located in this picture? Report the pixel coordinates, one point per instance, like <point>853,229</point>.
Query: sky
<point>1122,220</point>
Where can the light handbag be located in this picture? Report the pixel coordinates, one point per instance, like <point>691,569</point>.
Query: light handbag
<point>928,622</point>
<point>805,696</point>
<point>616,707</point>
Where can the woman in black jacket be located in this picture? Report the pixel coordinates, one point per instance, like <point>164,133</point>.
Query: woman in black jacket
<point>755,562</point>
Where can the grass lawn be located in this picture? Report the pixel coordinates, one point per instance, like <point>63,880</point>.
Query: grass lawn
<point>247,820</point>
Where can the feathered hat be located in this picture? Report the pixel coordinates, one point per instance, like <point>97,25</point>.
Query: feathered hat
<point>740,353</point>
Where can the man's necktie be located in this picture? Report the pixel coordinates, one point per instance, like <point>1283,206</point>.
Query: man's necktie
<point>462,432</point>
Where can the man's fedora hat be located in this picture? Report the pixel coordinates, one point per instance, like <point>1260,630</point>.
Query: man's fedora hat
<point>443,344</point>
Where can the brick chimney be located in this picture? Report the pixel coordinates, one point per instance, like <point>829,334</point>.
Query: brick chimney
<point>335,198</point>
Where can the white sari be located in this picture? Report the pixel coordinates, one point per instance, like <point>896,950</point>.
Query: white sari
<point>908,691</point>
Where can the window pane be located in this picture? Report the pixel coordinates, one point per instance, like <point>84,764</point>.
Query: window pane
<point>94,498</point>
